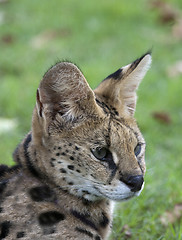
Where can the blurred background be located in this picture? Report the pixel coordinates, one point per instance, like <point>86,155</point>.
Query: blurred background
<point>100,37</point>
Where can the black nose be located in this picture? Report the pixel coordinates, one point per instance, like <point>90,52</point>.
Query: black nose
<point>134,182</point>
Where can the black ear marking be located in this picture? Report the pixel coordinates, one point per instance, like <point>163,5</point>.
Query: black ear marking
<point>116,75</point>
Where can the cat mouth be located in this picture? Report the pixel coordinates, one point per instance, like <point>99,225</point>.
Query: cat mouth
<point>117,196</point>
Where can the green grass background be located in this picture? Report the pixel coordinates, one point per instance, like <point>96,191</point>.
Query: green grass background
<point>100,36</point>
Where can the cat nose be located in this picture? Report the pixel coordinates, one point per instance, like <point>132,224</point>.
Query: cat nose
<point>134,182</point>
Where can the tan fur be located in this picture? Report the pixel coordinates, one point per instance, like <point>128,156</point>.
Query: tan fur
<point>61,188</point>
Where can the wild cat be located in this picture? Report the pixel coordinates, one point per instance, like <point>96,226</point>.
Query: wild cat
<point>84,151</point>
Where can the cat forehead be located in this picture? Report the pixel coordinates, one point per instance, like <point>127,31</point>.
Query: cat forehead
<point>106,131</point>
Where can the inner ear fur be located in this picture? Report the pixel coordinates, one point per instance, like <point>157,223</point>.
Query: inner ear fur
<point>64,90</point>
<point>119,88</point>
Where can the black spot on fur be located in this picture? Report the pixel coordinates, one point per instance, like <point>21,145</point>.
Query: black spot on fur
<point>70,183</point>
<point>63,170</point>
<point>72,158</point>
<point>50,218</point>
<point>77,148</point>
<point>84,231</point>
<point>57,154</point>
<point>4,226</point>
<point>20,235</point>
<point>105,221</point>
<point>71,167</point>
<point>43,193</point>
<point>1,209</point>
<point>84,218</point>
<point>97,237</point>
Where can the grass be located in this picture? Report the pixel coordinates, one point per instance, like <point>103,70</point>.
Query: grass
<point>100,36</point>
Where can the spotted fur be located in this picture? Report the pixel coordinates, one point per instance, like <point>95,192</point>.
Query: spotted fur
<point>84,151</point>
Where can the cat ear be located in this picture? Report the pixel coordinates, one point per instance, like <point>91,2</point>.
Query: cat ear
<point>119,88</point>
<point>65,91</point>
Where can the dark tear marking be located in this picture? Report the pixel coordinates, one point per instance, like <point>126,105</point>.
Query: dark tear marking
<point>105,221</point>
<point>109,158</point>
<point>42,193</point>
<point>50,218</point>
<point>84,231</point>
<point>4,226</point>
<point>84,219</point>
<point>111,163</point>
<point>117,75</point>
<point>20,235</point>
<point>27,157</point>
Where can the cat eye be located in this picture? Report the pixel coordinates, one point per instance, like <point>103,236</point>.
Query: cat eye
<point>100,153</point>
<point>137,149</point>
